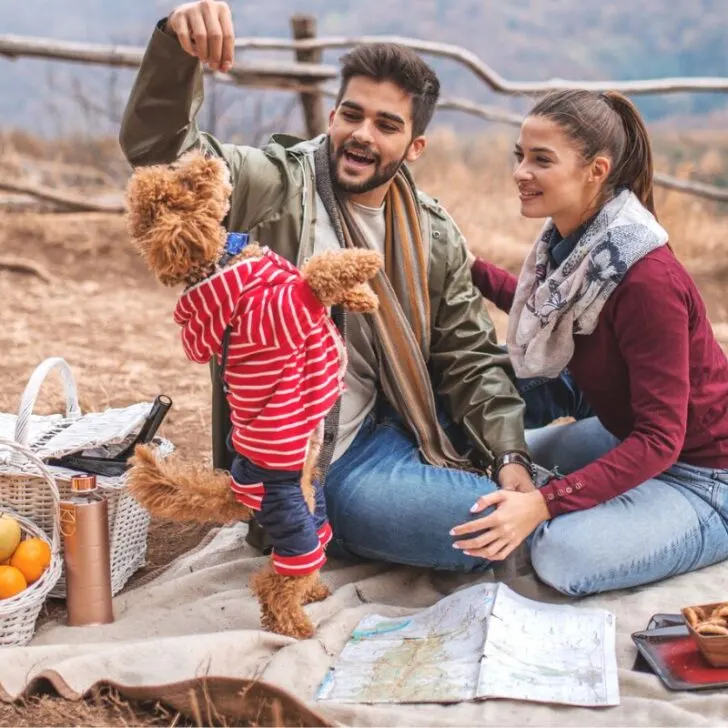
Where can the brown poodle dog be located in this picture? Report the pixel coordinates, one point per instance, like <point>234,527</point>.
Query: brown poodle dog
<point>175,221</point>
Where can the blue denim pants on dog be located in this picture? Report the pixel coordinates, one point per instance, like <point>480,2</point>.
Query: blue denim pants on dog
<point>298,537</point>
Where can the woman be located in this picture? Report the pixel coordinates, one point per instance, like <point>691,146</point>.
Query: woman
<point>645,492</point>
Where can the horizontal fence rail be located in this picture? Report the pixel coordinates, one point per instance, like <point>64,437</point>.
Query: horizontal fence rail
<point>307,78</point>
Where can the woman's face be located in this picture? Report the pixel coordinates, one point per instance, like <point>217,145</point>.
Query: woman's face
<point>552,177</point>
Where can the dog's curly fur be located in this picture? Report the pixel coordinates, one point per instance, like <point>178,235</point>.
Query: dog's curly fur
<point>174,489</point>
<point>339,278</point>
<point>175,214</point>
<point>281,599</point>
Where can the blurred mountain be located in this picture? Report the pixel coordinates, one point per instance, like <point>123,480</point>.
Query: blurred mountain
<point>521,39</point>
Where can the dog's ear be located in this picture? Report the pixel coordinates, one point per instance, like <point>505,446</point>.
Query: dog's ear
<point>208,179</point>
<point>146,196</point>
<point>194,187</point>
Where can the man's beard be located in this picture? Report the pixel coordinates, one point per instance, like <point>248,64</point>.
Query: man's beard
<point>380,176</point>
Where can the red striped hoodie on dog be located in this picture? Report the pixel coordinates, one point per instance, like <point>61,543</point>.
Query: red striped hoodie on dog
<point>286,359</point>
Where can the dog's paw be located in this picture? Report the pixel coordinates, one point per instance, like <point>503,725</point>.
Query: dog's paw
<point>331,275</point>
<point>317,593</point>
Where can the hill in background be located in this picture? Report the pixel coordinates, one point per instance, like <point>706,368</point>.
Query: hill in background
<point>521,39</point>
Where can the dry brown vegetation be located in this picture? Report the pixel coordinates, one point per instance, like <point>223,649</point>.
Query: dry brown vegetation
<point>80,292</point>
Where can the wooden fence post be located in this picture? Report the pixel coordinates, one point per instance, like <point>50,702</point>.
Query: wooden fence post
<point>303,27</point>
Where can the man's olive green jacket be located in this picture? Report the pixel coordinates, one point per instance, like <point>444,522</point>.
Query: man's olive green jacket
<point>274,200</point>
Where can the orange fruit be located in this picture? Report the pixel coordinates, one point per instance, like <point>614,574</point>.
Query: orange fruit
<point>32,557</point>
<point>12,582</point>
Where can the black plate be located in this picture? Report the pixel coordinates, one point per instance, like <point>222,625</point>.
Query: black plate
<point>667,649</point>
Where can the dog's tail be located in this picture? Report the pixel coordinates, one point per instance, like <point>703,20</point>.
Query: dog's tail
<point>180,491</point>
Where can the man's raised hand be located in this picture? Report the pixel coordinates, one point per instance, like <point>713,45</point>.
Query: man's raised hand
<point>204,29</point>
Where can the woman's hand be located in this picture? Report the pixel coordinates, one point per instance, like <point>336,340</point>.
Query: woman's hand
<point>515,517</point>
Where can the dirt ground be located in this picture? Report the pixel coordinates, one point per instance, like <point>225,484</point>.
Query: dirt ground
<point>72,286</point>
<point>103,314</point>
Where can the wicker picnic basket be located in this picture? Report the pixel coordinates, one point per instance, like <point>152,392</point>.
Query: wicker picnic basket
<point>101,434</point>
<point>18,614</point>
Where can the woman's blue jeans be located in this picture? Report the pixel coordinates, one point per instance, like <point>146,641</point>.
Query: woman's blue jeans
<point>384,503</point>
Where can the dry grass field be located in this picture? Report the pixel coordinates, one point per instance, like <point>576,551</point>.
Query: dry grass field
<point>72,286</point>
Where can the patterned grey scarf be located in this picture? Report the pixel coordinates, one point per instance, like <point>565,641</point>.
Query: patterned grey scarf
<point>552,305</point>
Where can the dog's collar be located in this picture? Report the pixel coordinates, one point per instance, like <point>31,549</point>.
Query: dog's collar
<point>234,244</point>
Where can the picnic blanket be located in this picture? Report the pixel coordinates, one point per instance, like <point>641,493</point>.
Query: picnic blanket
<point>196,624</point>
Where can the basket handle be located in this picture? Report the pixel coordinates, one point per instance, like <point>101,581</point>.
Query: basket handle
<point>32,388</point>
<point>23,452</point>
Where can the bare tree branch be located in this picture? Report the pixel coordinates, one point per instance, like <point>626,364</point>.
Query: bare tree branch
<point>280,121</point>
<point>252,73</point>
<point>24,265</point>
<point>89,107</point>
<point>489,113</point>
<point>73,203</point>
<point>700,189</point>
<point>257,72</point>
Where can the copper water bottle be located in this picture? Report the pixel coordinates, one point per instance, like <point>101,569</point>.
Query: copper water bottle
<point>86,553</point>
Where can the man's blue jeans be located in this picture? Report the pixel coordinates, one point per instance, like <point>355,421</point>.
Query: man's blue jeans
<point>385,503</point>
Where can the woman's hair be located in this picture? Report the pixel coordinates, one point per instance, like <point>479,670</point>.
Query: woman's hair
<point>606,123</point>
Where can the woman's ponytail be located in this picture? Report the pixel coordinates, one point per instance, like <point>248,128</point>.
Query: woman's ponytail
<point>635,169</point>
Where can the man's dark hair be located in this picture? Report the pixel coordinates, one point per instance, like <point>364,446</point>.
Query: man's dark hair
<point>401,66</point>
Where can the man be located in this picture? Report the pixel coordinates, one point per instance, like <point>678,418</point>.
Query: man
<point>398,477</point>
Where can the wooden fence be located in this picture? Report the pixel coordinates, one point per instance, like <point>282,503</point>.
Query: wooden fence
<point>312,78</point>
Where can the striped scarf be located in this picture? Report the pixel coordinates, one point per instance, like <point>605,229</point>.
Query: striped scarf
<point>402,323</point>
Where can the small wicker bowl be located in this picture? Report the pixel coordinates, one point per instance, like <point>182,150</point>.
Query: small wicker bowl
<point>18,614</point>
<point>714,647</point>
